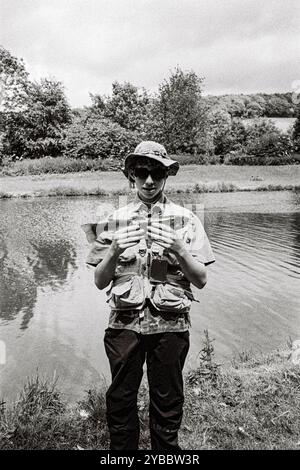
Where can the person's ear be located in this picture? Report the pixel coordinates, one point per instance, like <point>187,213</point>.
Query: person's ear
<point>131,175</point>
<point>131,178</point>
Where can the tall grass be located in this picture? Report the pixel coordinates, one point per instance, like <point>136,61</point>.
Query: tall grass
<point>40,419</point>
<point>252,403</point>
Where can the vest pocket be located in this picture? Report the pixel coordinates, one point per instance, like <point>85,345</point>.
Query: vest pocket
<point>127,295</point>
<point>169,298</point>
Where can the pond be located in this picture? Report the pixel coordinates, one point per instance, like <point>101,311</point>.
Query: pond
<point>52,317</point>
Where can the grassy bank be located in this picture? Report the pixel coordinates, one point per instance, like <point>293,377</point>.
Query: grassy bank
<point>64,165</point>
<point>191,178</point>
<point>253,403</point>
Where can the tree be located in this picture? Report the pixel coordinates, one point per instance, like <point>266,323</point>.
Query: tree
<point>278,106</point>
<point>219,128</point>
<point>128,106</point>
<point>177,112</point>
<point>264,140</point>
<point>255,106</point>
<point>234,105</point>
<point>93,136</point>
<point>33,115</point>
<point>38,129</point>
<point>296,131</point>
<point>13,82</point>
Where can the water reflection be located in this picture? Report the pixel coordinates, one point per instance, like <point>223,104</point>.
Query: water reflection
<point>52,261</point>
<point>30,265</point>
<point>17,290</point>
<point>251,299</point>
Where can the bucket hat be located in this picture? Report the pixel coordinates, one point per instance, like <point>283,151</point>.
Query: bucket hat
<point>153,150</point>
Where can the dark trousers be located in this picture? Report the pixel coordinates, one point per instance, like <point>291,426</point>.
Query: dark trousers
<point>165,355</point>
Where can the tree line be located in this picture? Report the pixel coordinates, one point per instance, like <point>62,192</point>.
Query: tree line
<point>256,105</point>
<point>37,121</point>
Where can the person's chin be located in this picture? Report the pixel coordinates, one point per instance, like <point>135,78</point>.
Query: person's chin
<point>149,194</point>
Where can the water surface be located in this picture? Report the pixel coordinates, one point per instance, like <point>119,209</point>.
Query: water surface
<point>52,317</point>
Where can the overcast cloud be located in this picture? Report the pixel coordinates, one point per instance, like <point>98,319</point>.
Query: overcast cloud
<point>239,46</point>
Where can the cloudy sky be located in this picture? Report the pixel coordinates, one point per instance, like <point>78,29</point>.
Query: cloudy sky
<point>237,45</point>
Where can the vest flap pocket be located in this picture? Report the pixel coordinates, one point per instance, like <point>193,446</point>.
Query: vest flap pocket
<point>170,298</point>
<point>172,293</point>
<point>121,289</point>
<point>128,294</point>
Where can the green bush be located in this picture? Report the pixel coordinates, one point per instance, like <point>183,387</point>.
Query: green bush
<point>97,138</point>
<point>224,133</point>
<point>60,165</point>
<point>1,157</point>
<point>240,158</point>
<point>296,131</point>
<point>297,145</point>
<point>264,140</point>
<point>197,159</point>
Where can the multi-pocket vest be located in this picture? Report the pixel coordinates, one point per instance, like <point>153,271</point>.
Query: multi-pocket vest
<point>132,284</point>
<point>131,287</point>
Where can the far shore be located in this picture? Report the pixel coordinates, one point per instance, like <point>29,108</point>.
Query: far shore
<point>191,178</point>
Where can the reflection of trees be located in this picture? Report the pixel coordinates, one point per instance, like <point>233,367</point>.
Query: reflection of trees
<point>48,263</point>
<point>17,291</point>
<point>52,261</point>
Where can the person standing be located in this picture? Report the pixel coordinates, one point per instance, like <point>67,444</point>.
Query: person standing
<point>148,253</point>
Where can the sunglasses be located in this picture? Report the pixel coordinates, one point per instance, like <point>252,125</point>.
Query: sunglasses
<point>156,173</point>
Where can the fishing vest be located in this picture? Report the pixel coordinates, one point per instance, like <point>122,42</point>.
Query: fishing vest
<point>135,280</point>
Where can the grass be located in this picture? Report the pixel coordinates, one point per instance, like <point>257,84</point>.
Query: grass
<point>279,187</point>
<point>190,179</point>
<point>65,165</point>
<point>72,191</point>
<point>252,403</point>
<point>40,419</point>
<point>221,187</point>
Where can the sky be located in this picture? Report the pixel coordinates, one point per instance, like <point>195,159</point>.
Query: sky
<point>237,46</point>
